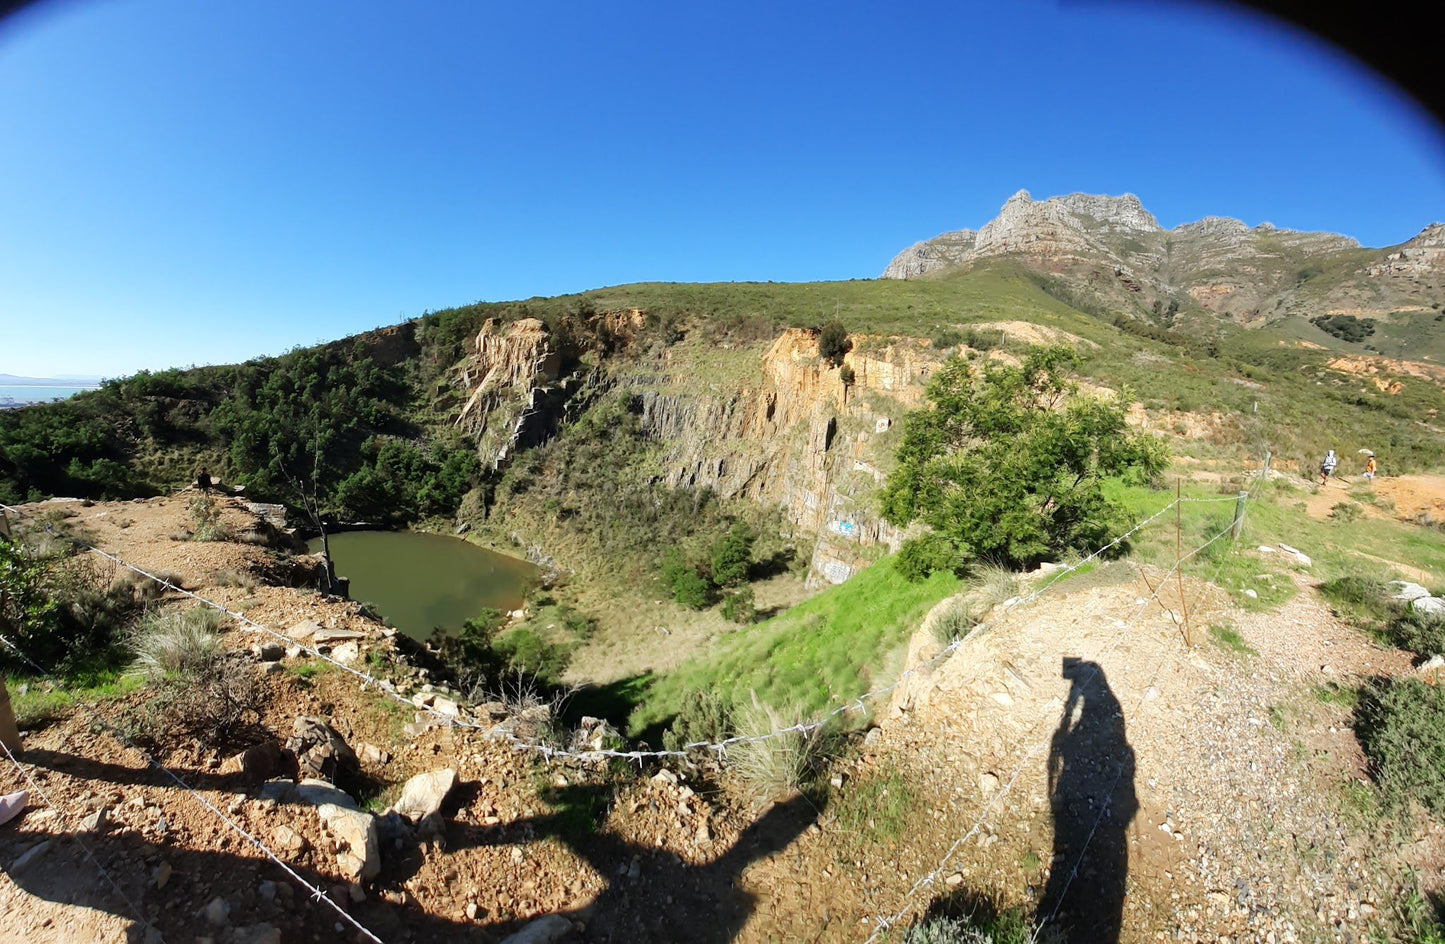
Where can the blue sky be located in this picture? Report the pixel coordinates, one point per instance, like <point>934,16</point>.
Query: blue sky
<point>200,183</point>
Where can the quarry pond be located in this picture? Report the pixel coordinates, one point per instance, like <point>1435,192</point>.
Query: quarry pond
<point>425,582</point>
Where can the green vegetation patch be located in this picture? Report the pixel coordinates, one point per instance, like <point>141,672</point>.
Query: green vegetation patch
<point>1401,726</point>
<point>826,650</point>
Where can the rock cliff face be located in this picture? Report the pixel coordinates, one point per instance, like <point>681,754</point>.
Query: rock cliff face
<point>1112,249</point>
<point>795,437</point>
<point>509,368</point>
<point>801,440</point>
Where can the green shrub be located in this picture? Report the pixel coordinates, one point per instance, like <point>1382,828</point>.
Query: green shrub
<point>984,926</point>
<point>947,338</point>
<point>929,554</point>
<point>1401,726</point>
<point>1421,633</point>
<point>704,717</point>
<point>525,650</point>
<point>833,342</point>
<point>57,608</point>
<point>1345,512</point>
<point>732,556</point>
<point>738,606</point>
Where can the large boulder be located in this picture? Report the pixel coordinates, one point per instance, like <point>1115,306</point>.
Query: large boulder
<point>319,750</point>
<point>355,832</point>
<point>424,794</point>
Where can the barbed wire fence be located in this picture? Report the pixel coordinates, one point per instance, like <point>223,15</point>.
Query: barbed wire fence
<point>549,752</point>
<point>99,723</point>
<point>884,924</point>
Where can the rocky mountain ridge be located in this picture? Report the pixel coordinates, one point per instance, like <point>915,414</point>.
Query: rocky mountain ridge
<point>1113,251</point>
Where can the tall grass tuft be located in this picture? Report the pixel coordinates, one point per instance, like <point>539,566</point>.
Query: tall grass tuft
<point>178,642</point>
<point>771,769</point>
<point>988,586</point>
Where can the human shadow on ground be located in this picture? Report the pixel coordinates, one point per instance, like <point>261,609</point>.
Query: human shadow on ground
<point>650,894</point>
<point>1091,793</point>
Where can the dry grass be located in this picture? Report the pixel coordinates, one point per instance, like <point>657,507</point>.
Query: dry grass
<point>779,766</point>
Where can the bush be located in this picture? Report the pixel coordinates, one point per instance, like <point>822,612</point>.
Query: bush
<point>687,585</point>
<point>989,587</point>
<point>847,376</point>
<point>739,606</point>
<point>1421,633</point>
<point>205,693</point>
<point>1401,726</point>
<point>732,556</point>
<point>219,707</point>
<point>705,717</point>
<point>526,651</point>
<point>206,524</point>
<point>58,609</point>
<point>178,642</point>
<point>1345,512</point>
<point>975,920</point>
<point>833,342</point>
<point>779,766</point>
<point>929,554</point>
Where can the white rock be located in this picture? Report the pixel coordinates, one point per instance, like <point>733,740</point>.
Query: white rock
<point>1266,549</point>
<point>304,629</point>
<point>346,653</point>
<point>356,832</point>
<point>424,794</point>
<point>1405,591</point>
<point>1430,606</point>
<point>1300,556</point>
<point>320,635</point>
<point>1251,594</point>
<point>1433,664</point>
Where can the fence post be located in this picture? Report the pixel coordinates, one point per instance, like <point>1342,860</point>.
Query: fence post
<point>1236,528</point>
<point>9,733</point>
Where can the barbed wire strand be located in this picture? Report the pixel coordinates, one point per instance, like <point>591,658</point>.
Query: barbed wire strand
<point>85,847</point>
<point>547,751</point>
<point>316,893</point>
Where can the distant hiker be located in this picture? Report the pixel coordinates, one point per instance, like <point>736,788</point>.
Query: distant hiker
<point>1370,469</point>
<point>203,481</point>
<point>1327,466</point>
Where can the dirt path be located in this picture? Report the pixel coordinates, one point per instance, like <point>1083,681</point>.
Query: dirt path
<point>1201,816</point>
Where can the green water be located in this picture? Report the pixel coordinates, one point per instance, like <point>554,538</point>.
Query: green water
<point>424,582</point>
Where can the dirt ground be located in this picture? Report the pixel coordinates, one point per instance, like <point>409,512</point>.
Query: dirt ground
<point>1077,756</point>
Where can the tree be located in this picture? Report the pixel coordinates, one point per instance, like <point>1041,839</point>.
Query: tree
<point>1007,463</point>
<point>732,556</point>
<point>833,342</point>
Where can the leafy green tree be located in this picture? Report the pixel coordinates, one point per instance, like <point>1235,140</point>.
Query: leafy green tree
<point>833,342</point>
<point>1007,462</point>
<point>732,556</point>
